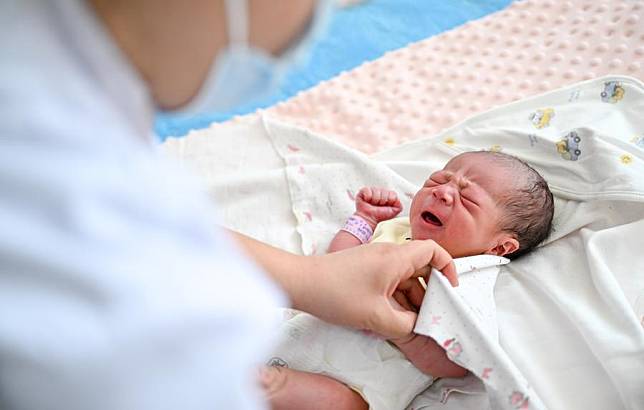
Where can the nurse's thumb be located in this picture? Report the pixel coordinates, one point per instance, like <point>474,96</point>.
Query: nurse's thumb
<point>395,322</point>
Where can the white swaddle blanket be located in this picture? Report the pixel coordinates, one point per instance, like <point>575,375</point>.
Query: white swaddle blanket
<point>377,370</point>
<point>569,315</point>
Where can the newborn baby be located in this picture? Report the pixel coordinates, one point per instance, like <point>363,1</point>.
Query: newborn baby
<point>479,203</point>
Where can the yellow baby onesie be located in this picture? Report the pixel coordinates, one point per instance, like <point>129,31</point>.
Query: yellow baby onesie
<point>397,230</point>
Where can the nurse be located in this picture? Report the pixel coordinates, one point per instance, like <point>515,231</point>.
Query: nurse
<point>115,290</point>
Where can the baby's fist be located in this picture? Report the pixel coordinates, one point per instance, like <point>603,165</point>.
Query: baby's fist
<point>377,204</point>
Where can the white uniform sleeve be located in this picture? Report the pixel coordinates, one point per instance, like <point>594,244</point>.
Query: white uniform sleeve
<point>116,289</point>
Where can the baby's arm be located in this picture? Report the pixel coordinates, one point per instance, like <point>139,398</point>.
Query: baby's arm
<point>373,205</point>
<point>428,356</point>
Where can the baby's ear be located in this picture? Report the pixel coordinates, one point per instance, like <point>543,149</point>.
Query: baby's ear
<point>505,244</point>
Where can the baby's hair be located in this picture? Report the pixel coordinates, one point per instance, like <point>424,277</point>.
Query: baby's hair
<point>529,207</point>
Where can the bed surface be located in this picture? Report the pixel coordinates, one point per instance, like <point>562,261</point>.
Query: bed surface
<point>530,47</point>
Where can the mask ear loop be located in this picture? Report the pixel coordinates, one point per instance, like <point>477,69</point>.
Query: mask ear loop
<point>237,24</point>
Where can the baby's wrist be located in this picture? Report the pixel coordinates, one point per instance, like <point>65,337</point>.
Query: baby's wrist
<point>360,227</point>
<point>368,219</point>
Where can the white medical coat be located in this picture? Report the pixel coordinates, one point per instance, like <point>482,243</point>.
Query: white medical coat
<point>114,293</point>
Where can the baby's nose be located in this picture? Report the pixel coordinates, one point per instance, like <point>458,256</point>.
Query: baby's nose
<point>445,194</point>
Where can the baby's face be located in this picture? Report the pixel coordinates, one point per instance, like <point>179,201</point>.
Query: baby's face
<point>457,207</point>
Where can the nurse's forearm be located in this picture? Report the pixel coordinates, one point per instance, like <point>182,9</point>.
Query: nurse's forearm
<point>289,270</point>
<point>318,284</point>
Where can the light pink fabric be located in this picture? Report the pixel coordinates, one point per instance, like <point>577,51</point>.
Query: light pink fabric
<point>530,47</point>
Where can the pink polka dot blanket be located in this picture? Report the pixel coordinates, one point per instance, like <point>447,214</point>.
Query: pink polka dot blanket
<point>528,48</point>
<point>570,315</point>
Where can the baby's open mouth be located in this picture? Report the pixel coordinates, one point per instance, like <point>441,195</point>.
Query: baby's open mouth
<point>430,218</point>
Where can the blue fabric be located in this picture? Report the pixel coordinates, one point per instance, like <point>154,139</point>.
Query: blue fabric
<point>356,34</point>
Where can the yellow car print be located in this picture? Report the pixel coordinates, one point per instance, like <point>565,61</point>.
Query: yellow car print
<point>568,147</point>
<point>613,92</point>
<point>639,141</point>
<point>541,118</point>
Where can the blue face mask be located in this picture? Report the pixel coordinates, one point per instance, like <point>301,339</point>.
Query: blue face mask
<point>243,73</point>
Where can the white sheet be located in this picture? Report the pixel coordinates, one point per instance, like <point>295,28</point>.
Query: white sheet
<point>571,313</point>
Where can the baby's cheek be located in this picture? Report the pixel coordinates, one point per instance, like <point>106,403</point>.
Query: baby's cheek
<point>418,231</point>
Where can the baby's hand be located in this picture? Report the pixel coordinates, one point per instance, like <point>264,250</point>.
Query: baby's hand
<point>377,204</point>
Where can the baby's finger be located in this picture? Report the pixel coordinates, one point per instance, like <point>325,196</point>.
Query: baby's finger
<point>377,196</point>
<point>384,201</point>
<point>365,193</point>
<point>391,197</point>
<point>397,205</point>
<point>415,293</point>
<point>403,301</point>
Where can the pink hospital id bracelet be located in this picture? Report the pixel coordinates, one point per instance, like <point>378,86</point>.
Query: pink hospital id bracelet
<point>359,228</point>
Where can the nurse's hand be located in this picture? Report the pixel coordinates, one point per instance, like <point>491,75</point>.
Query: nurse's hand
<point>354,287</point>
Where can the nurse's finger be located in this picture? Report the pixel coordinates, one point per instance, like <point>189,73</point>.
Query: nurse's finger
<point>427,253</point>
<point>394,320</point>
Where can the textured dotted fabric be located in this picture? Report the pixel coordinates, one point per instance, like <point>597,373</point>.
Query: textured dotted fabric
<point>531,47</point>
